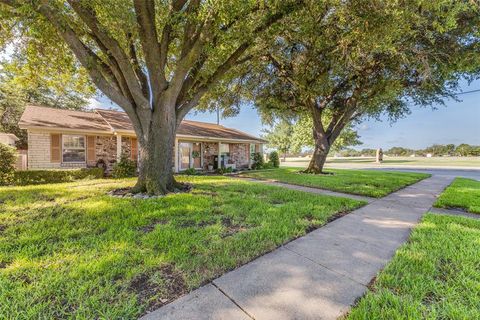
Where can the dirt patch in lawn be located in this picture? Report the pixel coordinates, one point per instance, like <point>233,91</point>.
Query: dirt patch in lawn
<point>150,227</point>
<point>206,193</point>
<point>158,287</point>
<point>231,227</point>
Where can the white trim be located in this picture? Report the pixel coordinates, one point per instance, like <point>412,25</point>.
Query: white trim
<point>212,139</point>
<point>175,156</point>
<point>119,147</point>
<point>219,161</point>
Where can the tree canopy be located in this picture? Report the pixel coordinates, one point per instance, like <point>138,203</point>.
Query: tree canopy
<point>343,61</point>
<point>154,59</point>
<point>24,82</point>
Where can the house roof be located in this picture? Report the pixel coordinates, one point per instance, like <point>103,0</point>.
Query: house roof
<point>117,121</point>
<point>44,117</point>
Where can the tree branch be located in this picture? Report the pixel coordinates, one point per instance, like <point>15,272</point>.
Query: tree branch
<point>88,16</point>
<point>88,60</point>
<point>184,108</point>
<point>155,55</point>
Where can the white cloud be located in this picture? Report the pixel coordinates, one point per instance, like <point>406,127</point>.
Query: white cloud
<point>364,127</point>
<point>93,103</point>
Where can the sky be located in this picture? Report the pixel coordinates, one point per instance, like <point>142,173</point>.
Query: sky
<point>456,122</point>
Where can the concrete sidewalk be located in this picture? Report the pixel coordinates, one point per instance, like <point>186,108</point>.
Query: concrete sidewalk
<point>309,189</point>
<point>318,276</point>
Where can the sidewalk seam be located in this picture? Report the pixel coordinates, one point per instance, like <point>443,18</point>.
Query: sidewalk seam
<point>321,265</point>
<point>231,299</point>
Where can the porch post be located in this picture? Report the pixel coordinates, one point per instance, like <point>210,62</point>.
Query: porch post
<point>249,156</point>
<point>175,156</point>
<point>119,147</point>
<point>218,156</point>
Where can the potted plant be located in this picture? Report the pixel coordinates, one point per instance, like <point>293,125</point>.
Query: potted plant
<point>210,167</point>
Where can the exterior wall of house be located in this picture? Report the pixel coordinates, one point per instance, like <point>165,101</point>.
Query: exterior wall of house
<point>106,150</point>
<point>210,150</point>
<point>239,154</point>
<point>126,146</point>
<point>39,151</point>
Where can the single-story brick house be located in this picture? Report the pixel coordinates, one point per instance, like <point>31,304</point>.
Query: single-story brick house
<point>71,139</point>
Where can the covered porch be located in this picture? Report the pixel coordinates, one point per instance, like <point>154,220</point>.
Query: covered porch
<point>209,155</point>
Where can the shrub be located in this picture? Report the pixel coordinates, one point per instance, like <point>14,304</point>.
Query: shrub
<point>8,157</point>
<point>257,161</point>
<point>268,165</point>
<point>224,170</point>
<point>190,172</point>
<point>125,168</point>
<point>23,178</point>
<point>274,159</point>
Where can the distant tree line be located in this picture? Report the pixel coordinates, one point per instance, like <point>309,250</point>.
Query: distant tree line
<point>438,150</point>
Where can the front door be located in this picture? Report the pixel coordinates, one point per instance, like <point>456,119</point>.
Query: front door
<point>185,155</point>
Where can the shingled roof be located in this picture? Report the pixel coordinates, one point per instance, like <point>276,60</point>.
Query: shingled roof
<point>111,121</point>
<point>44,117</point>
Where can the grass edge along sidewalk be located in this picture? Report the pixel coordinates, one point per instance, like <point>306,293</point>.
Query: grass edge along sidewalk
<point>434,275</point>
<point>462,194</point>
<point>371,183</point>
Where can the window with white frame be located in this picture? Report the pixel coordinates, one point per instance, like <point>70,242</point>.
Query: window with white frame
<point>252,150</point>
<point>73,148</point>
<point>224,148</point>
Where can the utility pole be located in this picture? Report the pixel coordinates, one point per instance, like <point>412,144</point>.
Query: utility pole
<point>218,114</point>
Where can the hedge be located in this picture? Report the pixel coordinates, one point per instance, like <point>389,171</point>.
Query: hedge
<point>22,178</point>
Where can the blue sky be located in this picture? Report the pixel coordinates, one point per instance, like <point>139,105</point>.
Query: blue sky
<point>456,122</point>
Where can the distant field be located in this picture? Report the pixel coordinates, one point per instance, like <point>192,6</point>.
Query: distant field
<point>393,161</point>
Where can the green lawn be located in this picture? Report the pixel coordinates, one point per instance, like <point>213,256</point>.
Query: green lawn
<point>436,275</point>
<point>71,251</point>
<point>362,182</point>
<point>463,194</point>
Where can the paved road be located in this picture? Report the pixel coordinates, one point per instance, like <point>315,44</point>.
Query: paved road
<point>467,173</point>
<point>318,276</point>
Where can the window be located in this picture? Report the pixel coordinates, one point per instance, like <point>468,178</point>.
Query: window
<point>224,148</point>
<point>252,151</point>
<point>73,148</point>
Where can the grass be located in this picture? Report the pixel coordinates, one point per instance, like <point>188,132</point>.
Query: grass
<point>435,275</point>
<point>71,251</point>
<point>361,182</point>
<point>462,194</point>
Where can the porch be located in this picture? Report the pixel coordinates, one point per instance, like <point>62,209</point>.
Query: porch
<point>211,155</point>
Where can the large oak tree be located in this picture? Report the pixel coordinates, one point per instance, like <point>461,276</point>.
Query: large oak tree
<point>154,59</point>
<point>342,61</point>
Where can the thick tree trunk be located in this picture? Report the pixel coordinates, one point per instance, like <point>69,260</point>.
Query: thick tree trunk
<point>322,143</point>
<point>318,159</point>
<point>155,174</point>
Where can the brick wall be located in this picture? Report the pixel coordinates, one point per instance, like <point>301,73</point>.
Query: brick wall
<point>106,149</point>
<point>126,147</point>
<point>208,156</point>
<point>239,153</point>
